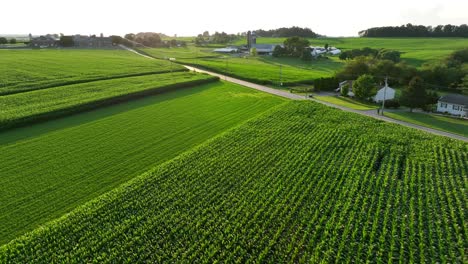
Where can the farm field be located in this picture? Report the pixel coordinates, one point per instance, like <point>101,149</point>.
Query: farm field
<point>24,108</point>
<point>49,169</point>
<point>416,51</point>
<point>266,69</point>
<point>25,70</point>
<point>448,124</point>
<point>188,52</point>
<point>301,183</point>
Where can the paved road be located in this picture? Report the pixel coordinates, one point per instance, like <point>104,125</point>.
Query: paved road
<point>369,113</point>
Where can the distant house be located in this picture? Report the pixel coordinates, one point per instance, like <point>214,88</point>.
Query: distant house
<point>227,50</point>
<point>81,41</point>
<point>316,51</point>
<point>47,41</point>
<point>454,104</point>
<point>348,83</point>
<point>382,93</point>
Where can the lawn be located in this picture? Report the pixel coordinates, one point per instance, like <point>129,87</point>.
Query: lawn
<point>24,108</point>
<point>25,70</point>
<point>50,168</point>
<point>347,102</point>
<point>447,124</point>
<point>302,183</point>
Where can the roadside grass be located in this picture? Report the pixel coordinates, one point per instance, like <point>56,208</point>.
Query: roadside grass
<point>447,124</point>
<point>26,70</point>
<point>347,102</point>
<point>50,168</point>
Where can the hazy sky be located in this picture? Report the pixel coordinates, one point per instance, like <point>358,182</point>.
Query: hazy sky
<point>190,17</point>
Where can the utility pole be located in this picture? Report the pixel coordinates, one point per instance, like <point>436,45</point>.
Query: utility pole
<point>281,74</point>
<point>384,94</point>
<point>227,65</point>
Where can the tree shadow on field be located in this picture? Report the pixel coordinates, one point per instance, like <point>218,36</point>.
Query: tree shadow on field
<point>14,135</point>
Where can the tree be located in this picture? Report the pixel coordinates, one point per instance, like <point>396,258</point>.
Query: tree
<point>199,40</point>
<point>3,40</point>
<point>326,46</point>
<point>253,52</point>
<point>13,41</point>
<point>464,85</point>
<point>206,34</point>
<point>278,51</point>
<point>392,55</point>
<point>130,36</point>
<point>345,90</point>
<point>414,95</point>
<point>66,41</point>
<point>295,46</point>
<point>364,87</point>
<point>306,55</point>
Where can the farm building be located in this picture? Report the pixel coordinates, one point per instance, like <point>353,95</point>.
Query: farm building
<point>227,50</point>
<point>92,41</point>
<point>47,41</point>
<point>264,49</point>
<point>454,104</point>
<point>316,51</point>
<point>349,84</point>
<point>384,94</point>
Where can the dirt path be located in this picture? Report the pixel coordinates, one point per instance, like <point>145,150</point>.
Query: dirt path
<point>369,113</point>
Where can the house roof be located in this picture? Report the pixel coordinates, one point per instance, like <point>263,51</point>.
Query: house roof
<point>264,46</point>
<point>388,88</point>
<point>454,99</point>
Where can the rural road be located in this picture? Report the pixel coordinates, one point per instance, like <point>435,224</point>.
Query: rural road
<point>369,113</point>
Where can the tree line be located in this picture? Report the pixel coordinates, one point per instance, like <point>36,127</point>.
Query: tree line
<point>287,32</point>
<point>4,40</point>
<point>409,30</point>
<point>216,38</point>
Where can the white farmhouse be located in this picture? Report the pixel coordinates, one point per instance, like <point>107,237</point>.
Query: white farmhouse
<point>227,50</point>
<point>385,93</point>
<point>454,104</point>
<point>349,84</point>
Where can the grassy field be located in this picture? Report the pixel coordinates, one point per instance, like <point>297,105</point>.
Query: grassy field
<point>302,184</point>
<point>416,51</point>
<point>448,124</point>
<point>50,168</point>
<point>266,70</point>
<point>25,70</point>
<point>178,53</point>
<point>347,102</point>
<point>24,108</point>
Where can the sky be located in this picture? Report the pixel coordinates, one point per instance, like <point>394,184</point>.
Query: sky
<point>192,17</point>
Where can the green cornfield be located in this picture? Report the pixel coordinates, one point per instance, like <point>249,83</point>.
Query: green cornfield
<point>301,183</point>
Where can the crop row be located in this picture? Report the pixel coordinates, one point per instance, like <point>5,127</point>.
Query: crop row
<point>70,161</point>
<point>27,70</point>
<point>301,183</point>
<point>35,106</point>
